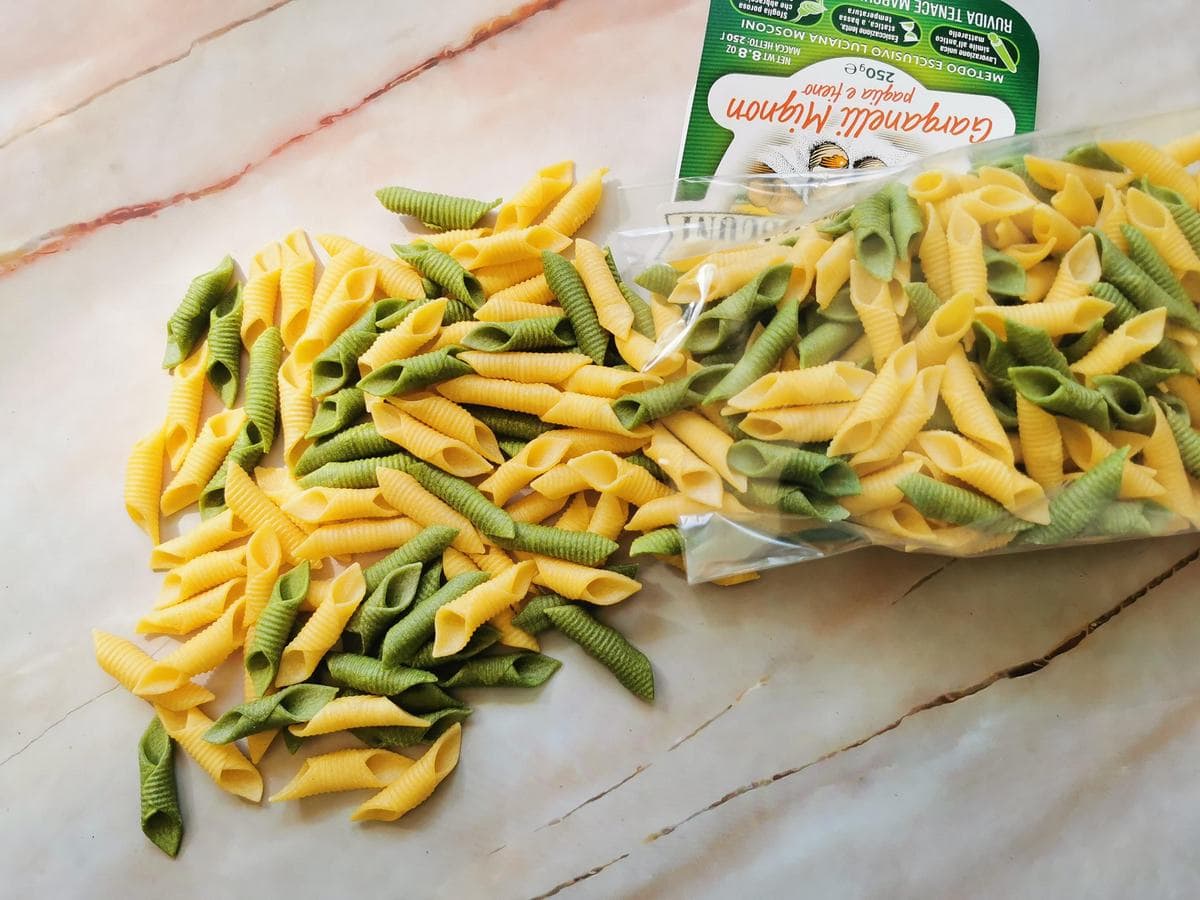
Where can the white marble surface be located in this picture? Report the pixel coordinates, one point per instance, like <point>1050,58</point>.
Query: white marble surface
<point>848,729</point>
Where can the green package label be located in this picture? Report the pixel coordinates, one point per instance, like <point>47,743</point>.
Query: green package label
<point>790,87</point>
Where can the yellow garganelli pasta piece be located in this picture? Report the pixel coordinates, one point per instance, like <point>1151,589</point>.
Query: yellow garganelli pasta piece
<point>258,305</point>
<point>296,295</point>
<point>396,277</point>
<point>968,271</point>
<point>1187,389</point>
<point>455,563</point>
<point>602,381</point>
<point>494,279</point>
<point>1005,234</point>
<point>277,483</point>
<point>722,273</point>
<point>264,558</point>
<point>578,204</point>
<point>265,260</point>
<point>211,534</point>
<point>295,243</point>
<point>560,481</point>
<point>503,247</point>
<point>143,482</point>
<point>832,271</point>
<point>350,257</point>
<point>878,490</point>
<point>707,441</point>
<point>526,367</point>
<point>1049,223</point>
<point>224,763</point>
<point>1155,221</point>
<point>339,598</point>
<point>346,303</point>
<point>202,653</point>
<point>583,440</point>
<point>585,411</point>
<point>1041,444</point>
<point>295,408</point>
<point>934,253</point>
<point>644,355</point>
<point>944,331</point>
<point>534,507</point>
<point>127,663</point>
<point>1161,454</point>
<point>253,507</point>
<point>536,196</point>
<point>804,256</point>
<point>610,474</point>
<point>860,427</point>
<point>419,327</point>
<point>344,770</point>
<point>203,459</point>
<point>961,459</point>
<point>901,521</point>
<point>499,309</point>
<point>1028,255</point>
<point>500,393</point>
<point>455,622</point>
<point>969,407</point>
<point>1112,216</point>
<point>494,561</point>
<point>424,442</point>
<point>577,516</point>
<point>344,713</point>
<point>408,497</point>
<point>322,505</point>
<point>534,291</point>
<point>1133,338</point>
<point>834,382</point>
<point>1184,150</point>
<point>1052,175</point>
<point>1005,177</point>
<point>993,202</point>
<point>614,313</point>
<point>183,406</point>
<point>802,424</point>
<point>453,421</point>
<point>199,574</point>
<point>1055,317</point>
<point>577,582</point>
<point>669,510</point>
<point>691,475</point>
<point>1181,334</point>
<point>879,320</point>
<point>916,408</point>
<point>1038,281</point>
<point>1142,158</point>
<point>609,517</point>
<point>1075,203</point>
<point>536,458</point>
<point>417,783</point>
<point>1077,273</point>
<point>510,634</point>
<point>1087,448</point>
<point>188,615</point>
<point>668,320</point>
<point>341,539</point>
<point>446,241</point>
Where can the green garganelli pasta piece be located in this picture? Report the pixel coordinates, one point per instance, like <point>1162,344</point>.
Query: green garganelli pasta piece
<point>354,473</point>
<point>658,402</point>
<point>432,290</point>
<point>1148,259</point>
<point>1187,439</point>
<point>532,618</point>
<point>225,346</point>
<point>731,320</point>
<point>581,547</point>
<point>1077,349</point>
<point>545,333</point>
<point>826,342</point>
<point>409,635</point>
<point>922,301</point>
<point>608,647</point>
<point>837,224</point>
<point>1090,156</point>
<point>949,503</point>
<point>427,698</point>
<point>291,705</point>
<point>428,545</point>
<point>906,217</point>
<point>1123,519</point>
<point>658,279</point>
<point>373,676</point>
<point>1034,347</point>
<point>1146,375</point>
<point>441,212</point>
<point>262,388</point>
<point>456,311</point>
<point>831,476</point>
<point>463,496</point>
<point>337,364</point>
<point>1169,355</point>
<point>793,501</point>
<point>641,459</point>
<point>643,319</point>
<point>1137,285</point>
<point>506,423</point>
<point>762,356</point>
<point>358,442</point>
<point>274,627</point>
<point>338,412</point>
<point>1174,404</point>
<point>726,356</point>
<point>1062,395</point>
<point>871,222</point>
<point>393,596</point>
<point>162,820</point>
<point>391,312</point>
<point>245,454</point>
<point>1128,408</point>
<point>994,358</point>
<point>510,447</point>
<point>667,541</point>
<point>568,287</point>
<point>629,570</point>
<point>187,323</point>
<point>1004,274</point>
<point>1122,310</point>
<point>1188,221</point>
<point>485,636</point>
<point>405,376</point>
<point>839,309</point>
<point>430,581</point>
<point>523,670</point>
<point>444,271</point>
<point>395,737</point>
<point>1078,504</point>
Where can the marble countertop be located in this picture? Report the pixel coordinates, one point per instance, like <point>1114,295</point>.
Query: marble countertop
<point>873,725</point>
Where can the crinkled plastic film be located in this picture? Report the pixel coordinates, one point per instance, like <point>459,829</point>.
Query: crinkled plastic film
<point>746,536</point>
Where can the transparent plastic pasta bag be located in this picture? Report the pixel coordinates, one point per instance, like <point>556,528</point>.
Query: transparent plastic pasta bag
<point>989,350</point>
